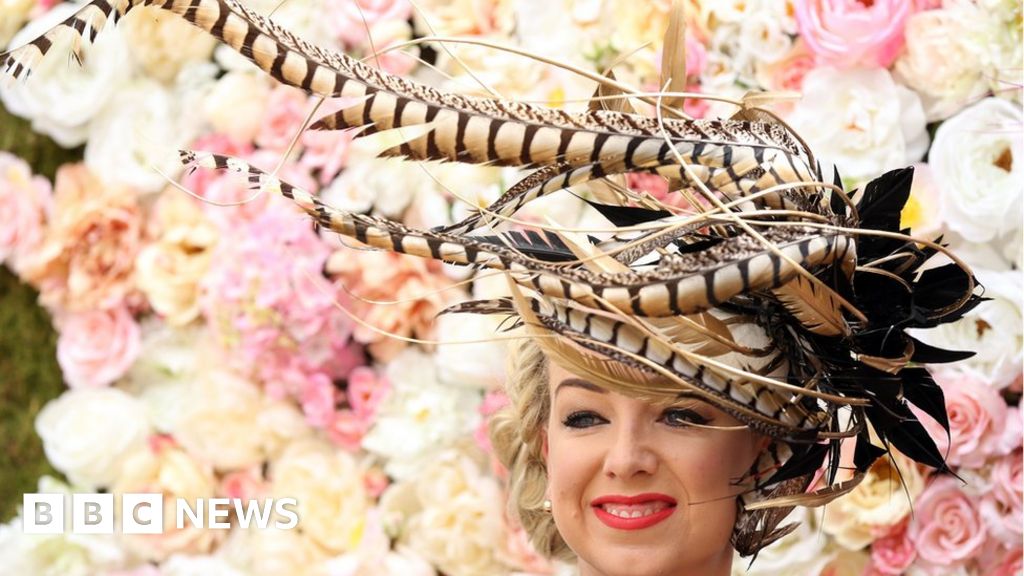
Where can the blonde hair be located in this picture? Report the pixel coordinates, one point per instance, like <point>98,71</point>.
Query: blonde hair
<point>516,433</point>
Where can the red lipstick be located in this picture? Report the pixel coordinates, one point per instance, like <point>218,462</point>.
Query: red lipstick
<point>633,512</point>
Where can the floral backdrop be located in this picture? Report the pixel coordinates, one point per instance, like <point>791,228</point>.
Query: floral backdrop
<point>225,348</point>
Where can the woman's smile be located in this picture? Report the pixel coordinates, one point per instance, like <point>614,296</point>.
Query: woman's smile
<point>633,512</point>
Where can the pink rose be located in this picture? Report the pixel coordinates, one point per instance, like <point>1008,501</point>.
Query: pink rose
<point>978,417</point>
<point>366,390</point>
<point>286,108</point>
<point>1001,506</point>
<point>894,551</point>
<point>326,153</point>
<point>24,204</point>
<point>243,484</point>
<point>96,348</point>
<point>846,33</point>
<point>493,401</point>
<point>319,399</point>
<point>87,258</point>
<point>352,18</point>
<point>347,429</point>
<point>947,528</point>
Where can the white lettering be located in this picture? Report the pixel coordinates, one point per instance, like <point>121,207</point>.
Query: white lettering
<point>280,505</point>
<point>253,508</point>
<point>219,508</point>
<point>195,515</point>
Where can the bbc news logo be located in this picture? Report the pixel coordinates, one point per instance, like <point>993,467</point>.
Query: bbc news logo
<point>143,513</point>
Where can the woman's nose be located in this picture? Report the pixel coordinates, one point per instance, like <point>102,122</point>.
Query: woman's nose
<point>631,452</point>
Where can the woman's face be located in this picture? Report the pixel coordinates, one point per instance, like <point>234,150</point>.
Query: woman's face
<point>637,491</point>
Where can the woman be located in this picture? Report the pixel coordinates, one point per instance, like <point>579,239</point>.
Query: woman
<point>686,373</point>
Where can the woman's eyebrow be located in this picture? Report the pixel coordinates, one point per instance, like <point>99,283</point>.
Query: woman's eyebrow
<point>579,383</point>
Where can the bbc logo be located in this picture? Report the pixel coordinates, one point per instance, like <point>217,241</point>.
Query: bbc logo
<point>143,513</point>
<point>93,513</point>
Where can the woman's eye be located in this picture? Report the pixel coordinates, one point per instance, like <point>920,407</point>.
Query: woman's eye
<point>582,420</point>
<point>682,417</point>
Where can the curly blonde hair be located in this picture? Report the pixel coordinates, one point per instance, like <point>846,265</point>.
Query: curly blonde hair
<point>516,433</point>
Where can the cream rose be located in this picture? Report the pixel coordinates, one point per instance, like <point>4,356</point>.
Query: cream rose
<point>272,552</point>
<point>861,120</point>
<point>235,105</point>
<point>230,423</point>
<point>879,501</point>
<point>15,13</point>
<point>164,43</point>
<point>96,348</point>
<point>328,485</point>
<point>171,268</point>
<point>165,468</point>
<point>198,565</point>
<point>451,514</point>
<point>88,433</point>
<point>978,160</point>
<point>940,63</point>
<point>62,98</point>
<point>464,17</point>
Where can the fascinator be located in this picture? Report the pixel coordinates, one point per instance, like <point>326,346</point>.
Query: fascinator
<point>778,296</point>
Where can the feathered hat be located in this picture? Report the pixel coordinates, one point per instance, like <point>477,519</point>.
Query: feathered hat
<point>779,298</point>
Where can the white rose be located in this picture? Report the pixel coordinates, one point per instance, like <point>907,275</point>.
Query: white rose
<point>992,330</point>
<point>230,423</point>
<point>385,185</point>
<point>136,134</point>
<point>940,63</point>
<point>861,120</point>
<point>328,486</point>
<point>235,104</point>
<point>879,501</point>
<point>61,98</point>
<point>165,468</point>
<point>802,551</point>
<point>978,160</point>
<point>478,365</point>
<point>57,554</point>
<point>420,417</point>
<point>374,555</point>
<point>456,522</point>
<point>995,32</point>
<point>272,552</point>
<point>764,38</point>
<point>507,74</point>
<point>88,433</point>
<point>198,565</point>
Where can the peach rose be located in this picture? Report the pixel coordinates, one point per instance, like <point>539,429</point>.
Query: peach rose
<point>286,108</point>
<point>412,282</point>
<point>87,258</point>
<point>947,527</point>
<point>24,203</point>
<point>847,33</point>
<point>96,348</point>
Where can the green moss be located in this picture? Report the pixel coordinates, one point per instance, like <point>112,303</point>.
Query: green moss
<point>29,377</point>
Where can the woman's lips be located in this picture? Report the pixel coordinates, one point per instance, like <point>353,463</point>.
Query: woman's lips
<point>633,512</point>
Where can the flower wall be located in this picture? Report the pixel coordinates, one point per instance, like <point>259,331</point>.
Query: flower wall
<point>225,347</point>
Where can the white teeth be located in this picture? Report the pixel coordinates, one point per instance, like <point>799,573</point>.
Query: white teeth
<point>634,511</point>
